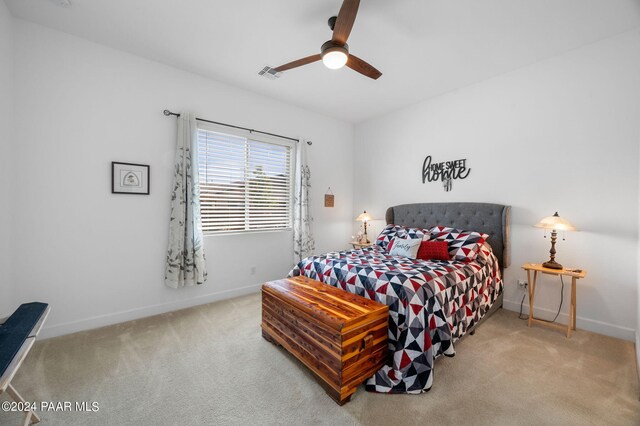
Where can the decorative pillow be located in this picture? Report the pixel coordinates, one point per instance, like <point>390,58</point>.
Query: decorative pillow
<point>485,251</point>
<point>390,231</point>
<point>387,234</point>
<point>434,250</point>
<point>407,247</point>
<point>463,245</point>
<point>390,245</point>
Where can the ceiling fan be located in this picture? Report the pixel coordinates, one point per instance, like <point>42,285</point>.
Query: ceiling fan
<point>335,52</point>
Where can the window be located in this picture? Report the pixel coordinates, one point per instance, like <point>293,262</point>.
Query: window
<point>245,184</point>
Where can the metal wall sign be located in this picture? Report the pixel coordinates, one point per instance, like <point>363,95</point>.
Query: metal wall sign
<point>328,198</point>
<point>445,171</point>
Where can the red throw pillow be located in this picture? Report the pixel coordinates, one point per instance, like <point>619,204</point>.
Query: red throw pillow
<point>434,250</point>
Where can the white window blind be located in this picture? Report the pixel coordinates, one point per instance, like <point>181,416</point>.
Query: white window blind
<point>245,184</point>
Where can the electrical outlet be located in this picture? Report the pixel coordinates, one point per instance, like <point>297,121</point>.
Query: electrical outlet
<point>522,284</point>
<point>253,270</point>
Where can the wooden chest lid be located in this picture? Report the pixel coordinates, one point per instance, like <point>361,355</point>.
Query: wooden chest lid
<point>335,307</point>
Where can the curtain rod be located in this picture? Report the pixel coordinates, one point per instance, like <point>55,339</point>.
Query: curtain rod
<point>168,113</point>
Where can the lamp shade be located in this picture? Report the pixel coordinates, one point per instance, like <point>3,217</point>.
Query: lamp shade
<point>364,217</point>
<point>555,222</point>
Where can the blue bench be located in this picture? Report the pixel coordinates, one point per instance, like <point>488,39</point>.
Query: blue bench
<point>17,336</point>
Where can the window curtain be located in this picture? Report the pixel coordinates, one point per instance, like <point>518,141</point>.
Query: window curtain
<point>185,265</point>
<point>303,242</point>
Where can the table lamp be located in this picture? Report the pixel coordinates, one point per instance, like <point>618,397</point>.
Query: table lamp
<point>555,223</point>
<point>364,218</point>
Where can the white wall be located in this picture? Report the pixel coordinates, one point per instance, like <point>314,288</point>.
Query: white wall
<point>98,258</point>
<point>6,114</point>
<point>638,287</point>
<point>561,134</point>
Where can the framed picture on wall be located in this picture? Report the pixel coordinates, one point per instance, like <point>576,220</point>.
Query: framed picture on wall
<point>129,178</point>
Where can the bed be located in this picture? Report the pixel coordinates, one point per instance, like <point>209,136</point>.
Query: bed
<point>432,304</point>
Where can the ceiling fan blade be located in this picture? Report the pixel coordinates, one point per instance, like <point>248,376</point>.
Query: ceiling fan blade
<point>362,67</point>
<point>298,63</point>
<point>344,23</point>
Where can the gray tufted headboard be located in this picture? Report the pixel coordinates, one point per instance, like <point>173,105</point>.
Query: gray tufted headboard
<point>492,219</point>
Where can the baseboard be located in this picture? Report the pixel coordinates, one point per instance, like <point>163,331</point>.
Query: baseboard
<point>147,311</point>
<point>118,317</point>
<point>588,324</point>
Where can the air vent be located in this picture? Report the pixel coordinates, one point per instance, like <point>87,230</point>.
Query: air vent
<point>269,73</point>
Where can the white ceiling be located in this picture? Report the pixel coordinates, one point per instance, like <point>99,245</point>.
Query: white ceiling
<point>422,47</point>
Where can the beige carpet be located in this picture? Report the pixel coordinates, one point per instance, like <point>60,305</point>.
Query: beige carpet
<point>210,365</point>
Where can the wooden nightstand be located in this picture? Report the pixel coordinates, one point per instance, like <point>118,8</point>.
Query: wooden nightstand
<point>357,245</point>
<point>575,276</point>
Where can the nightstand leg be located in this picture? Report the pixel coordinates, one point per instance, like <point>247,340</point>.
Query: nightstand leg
<point>532,292</point>
<point>573,300</point>
<point>570,321</point>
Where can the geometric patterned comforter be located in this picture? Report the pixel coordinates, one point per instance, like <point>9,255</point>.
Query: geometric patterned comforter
<point>431,304</point>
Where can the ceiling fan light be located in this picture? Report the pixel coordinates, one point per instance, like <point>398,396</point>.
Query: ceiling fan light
<point>334,58</point>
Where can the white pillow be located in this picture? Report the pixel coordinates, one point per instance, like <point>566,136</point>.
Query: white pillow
<point>406,247</point>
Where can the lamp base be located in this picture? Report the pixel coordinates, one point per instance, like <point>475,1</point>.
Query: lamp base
<point>552,264</point>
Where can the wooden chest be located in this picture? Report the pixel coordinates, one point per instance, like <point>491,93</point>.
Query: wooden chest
<point>340,337</point>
